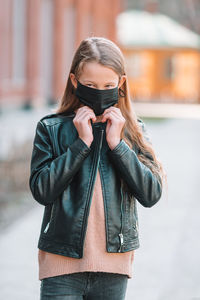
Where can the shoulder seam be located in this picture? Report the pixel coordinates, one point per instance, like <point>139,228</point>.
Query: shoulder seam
<point>56,122</point>
<point>50,125</point>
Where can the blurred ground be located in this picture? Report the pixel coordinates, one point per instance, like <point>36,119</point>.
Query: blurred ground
<point>167,110</point>
<point>167,263</point>
<point>166,266</point>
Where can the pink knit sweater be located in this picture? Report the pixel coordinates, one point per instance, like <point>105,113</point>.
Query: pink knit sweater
<point>95,257</point>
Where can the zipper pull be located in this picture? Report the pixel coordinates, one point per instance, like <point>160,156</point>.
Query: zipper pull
<point>136,223</point>
<point>121,241</point>
<point>46,228</point>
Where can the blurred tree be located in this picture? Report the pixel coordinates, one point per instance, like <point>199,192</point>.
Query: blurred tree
<point>186,12</point>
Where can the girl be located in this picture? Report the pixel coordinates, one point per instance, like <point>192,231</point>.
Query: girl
<point>91,163</point>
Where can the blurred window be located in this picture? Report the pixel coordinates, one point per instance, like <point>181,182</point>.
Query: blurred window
<point>169,68</point>
<point>19,41</point>
<point>134,65</point>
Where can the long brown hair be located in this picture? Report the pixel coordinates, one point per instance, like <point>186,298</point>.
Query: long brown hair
<point>107,53</point>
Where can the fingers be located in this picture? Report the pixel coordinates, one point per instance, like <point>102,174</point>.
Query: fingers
<point>83,125</point>
<point>114,114</point>
<point>85,113</point>
<point>83,109</point>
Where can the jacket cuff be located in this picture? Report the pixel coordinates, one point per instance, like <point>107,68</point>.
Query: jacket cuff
<point>120,149</point>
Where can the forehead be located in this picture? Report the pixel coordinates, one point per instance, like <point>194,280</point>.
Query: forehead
<point>96,72</point>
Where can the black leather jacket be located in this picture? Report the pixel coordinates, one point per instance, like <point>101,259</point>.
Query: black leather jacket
<point>63,171</point>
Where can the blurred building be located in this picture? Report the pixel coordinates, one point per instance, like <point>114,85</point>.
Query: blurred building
<point>162,56</point>
<point>37,42</point>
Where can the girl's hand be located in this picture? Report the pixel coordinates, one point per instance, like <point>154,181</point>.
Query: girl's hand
<point>114,125</point>
<point>83,125</point>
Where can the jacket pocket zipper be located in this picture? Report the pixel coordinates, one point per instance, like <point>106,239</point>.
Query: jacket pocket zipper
<point>121,237</point>
<point>47,226</point>
<point>136,225</point>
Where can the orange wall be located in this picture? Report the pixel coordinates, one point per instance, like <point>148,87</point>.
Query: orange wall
<point>187,80</point>
<point>149,81</point>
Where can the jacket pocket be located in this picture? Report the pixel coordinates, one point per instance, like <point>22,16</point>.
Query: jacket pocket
<point>131,224</point>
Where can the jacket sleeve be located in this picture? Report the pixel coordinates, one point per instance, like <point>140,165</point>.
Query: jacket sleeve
<point>143,184</point>
<point>49,176</point>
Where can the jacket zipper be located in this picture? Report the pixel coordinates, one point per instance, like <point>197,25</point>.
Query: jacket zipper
<point>94,171</point>
<point>47,226</point>
<point>121,237</point>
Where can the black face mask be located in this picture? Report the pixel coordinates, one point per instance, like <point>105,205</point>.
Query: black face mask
<point>96,99</point>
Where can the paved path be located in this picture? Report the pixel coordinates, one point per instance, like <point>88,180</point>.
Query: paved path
<point>167,110</point>
<point>18,258</point>
<point>167,264</point>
